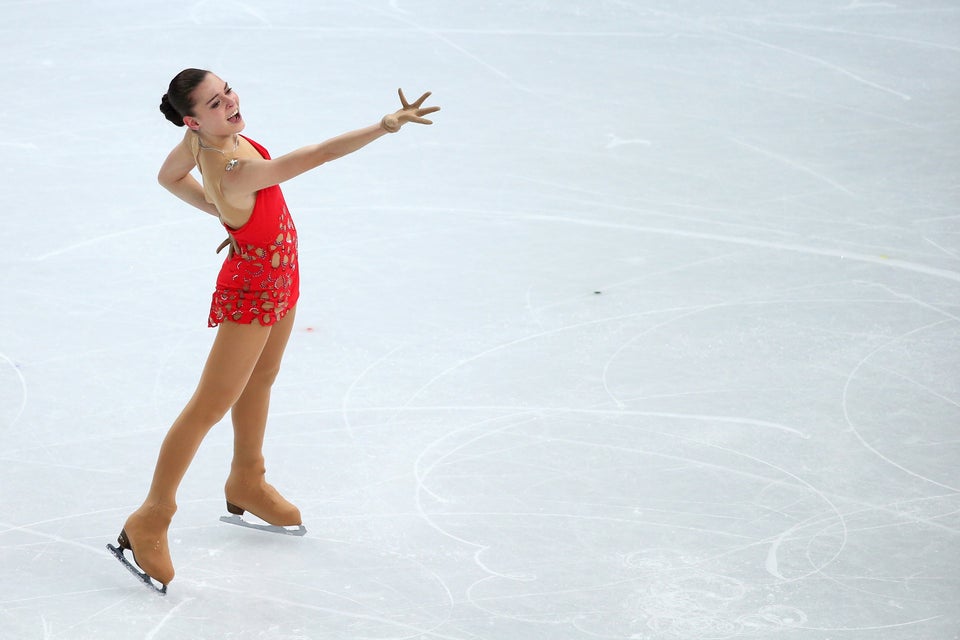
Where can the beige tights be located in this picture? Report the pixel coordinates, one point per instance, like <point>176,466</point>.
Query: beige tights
<point>240,370</point>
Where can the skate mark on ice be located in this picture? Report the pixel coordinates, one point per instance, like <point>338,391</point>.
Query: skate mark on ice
<point>794,164</point>
<point>400,17</point>
<point>755,242</point>
<point>27,528</point>
<point>615,141</point>
<point>413,630</point>
<point>817,61</point>
<point>421,474</point>
<point>510,343</point>
<point>23,389</point>
<point>106,236</point>
<point>859,34</point>
<point>952,254</point>
<point>872,628</point>
<point>849,420</point>
<point>920,303</point>
<point>772,563</point>
<point>345,401</point>
<point>156,629</point>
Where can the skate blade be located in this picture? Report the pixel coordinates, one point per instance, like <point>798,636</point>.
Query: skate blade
<point>143,577</point>
<point>298,531</point>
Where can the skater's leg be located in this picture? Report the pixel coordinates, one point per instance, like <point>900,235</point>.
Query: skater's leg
<point>232,358</point>
<point>249,413</point>
<point>246,488</point>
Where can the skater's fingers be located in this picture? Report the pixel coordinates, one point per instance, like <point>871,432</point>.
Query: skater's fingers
<point>421,99</point>
<point>232,243</point>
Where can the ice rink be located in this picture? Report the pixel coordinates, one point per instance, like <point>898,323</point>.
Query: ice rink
<point>655,334</point>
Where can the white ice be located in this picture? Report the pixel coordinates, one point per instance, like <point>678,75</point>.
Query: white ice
<point>654,334</point>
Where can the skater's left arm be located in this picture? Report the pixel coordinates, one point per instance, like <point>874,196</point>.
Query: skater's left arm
<point>249,175</point>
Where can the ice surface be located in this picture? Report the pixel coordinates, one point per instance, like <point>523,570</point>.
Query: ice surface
<point>655,334</point>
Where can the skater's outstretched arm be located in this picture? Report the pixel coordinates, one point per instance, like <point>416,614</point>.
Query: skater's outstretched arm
<point>249,175</point>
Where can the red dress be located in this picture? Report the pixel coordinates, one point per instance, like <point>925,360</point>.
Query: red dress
<point>262,282</point>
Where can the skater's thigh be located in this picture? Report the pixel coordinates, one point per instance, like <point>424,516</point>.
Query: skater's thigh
<point>232,358</point>
<point>268,365</point>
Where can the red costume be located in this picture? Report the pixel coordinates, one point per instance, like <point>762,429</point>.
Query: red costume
<point>262,282</point>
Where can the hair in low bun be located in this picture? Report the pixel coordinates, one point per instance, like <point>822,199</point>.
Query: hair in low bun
<point>178,102</point>
<point>170,112</point>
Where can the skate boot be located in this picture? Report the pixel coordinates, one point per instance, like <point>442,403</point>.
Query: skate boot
<point>145,535</point>
<point>248,490</point>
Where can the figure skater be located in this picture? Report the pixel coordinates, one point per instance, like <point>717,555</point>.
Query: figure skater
<point>253,305</point>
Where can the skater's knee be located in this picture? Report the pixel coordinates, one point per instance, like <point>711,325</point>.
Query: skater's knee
<point>208,409</point>
<point>264,375</point>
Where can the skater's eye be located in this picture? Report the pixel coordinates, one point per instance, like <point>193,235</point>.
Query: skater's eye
<point>214,102</point>
<point>227,90</point>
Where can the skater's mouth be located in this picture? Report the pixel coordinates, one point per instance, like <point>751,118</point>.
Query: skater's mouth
<point>235,118</point>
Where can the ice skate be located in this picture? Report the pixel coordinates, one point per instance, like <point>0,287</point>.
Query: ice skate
<point>248,491</point>
<point>145,535</point>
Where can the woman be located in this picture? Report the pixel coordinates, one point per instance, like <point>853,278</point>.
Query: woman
<point>254,303</point>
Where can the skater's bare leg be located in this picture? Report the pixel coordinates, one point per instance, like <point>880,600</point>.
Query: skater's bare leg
<point>246,488</point>
<point>232,359</point>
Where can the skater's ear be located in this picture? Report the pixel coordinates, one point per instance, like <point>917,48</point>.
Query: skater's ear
<point>191,122</point>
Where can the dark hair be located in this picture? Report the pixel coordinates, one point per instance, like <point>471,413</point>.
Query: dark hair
<point>177,102</point>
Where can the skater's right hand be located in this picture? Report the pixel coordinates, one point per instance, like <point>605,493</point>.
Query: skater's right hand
<point>232,243</point>
<point>408,113</point>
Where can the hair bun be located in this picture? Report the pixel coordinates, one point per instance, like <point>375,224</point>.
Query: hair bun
<point>169,111</point>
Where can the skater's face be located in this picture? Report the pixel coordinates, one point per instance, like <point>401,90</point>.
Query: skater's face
<point>216,108</point>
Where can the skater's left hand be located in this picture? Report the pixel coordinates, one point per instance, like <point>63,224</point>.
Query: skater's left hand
<point>409,112</point>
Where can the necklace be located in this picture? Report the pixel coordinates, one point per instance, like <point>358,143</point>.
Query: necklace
<point>232,162</point>
<point>236,145</point>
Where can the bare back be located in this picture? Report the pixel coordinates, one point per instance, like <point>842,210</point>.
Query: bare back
<point>234,211</point>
